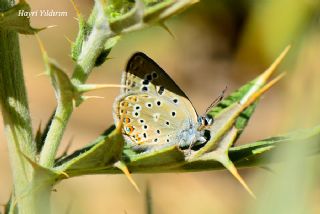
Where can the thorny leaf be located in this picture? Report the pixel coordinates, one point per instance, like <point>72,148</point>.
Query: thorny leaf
<point>12,19</point>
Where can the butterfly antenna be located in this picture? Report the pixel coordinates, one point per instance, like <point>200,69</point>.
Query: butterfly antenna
<point>217,100</point>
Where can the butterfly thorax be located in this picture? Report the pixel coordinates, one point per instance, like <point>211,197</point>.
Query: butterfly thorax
<point>190,136</point>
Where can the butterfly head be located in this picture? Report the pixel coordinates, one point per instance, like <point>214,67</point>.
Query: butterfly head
<point>205,121</point>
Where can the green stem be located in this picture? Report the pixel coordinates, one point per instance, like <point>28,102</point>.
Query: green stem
<point>55,133</point>
<point>16,118</point>
<point>91,48</point>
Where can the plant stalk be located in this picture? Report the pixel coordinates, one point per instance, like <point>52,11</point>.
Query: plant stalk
<point>17,123</point>
<point>91,49</point>
<point>55,134</point>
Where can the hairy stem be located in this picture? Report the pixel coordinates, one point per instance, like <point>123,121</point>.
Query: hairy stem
<point>91,48</point>
<point>55,134</point>
<point>16,117</point>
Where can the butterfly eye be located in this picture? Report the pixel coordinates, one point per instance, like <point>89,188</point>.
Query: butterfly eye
<point>210,121</point>
<point>205,120</point>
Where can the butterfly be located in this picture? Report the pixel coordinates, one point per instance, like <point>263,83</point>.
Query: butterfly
<point>154,111</point>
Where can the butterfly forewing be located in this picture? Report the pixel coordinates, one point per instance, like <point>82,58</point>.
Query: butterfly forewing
<point>142,71</point>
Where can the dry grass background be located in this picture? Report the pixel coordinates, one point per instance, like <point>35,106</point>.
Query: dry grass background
<point>228,45</point>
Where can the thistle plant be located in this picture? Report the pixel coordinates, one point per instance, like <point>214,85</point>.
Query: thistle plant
<point>33,158</point>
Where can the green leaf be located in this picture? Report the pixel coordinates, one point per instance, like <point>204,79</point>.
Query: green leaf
<point>235,97</point>
<point>155,161</point>
<point>158,11</point>
<point>42,181</point>
<point>258,153</point>
<point>14,19</point>
<point>102,153</point>
<point>107,49</point>
<point>100,156</point>
<point>64,89</point>
<point>236,109</point>
<point>231,118</point>
<point>117,9</point>
<point>84,30</point>
<point>87,160</point>
<point>128,15</point>
<point>42,134</point>
<point>123,15</point>
<point>67,98</point>
<point>9,208</point>
<point>38,139</point>
<point>154,8</point>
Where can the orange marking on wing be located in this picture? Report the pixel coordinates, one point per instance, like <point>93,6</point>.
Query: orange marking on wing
<point>133,98</point>
<point>124,103</point>
<point>126,120</point>
<point>128,129</point>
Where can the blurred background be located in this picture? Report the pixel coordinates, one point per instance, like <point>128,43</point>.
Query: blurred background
<point>216,44</point>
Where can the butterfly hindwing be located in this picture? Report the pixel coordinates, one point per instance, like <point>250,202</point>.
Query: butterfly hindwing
<point>151,122</point>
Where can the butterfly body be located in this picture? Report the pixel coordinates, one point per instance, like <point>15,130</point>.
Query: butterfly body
<point>153,110</point>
